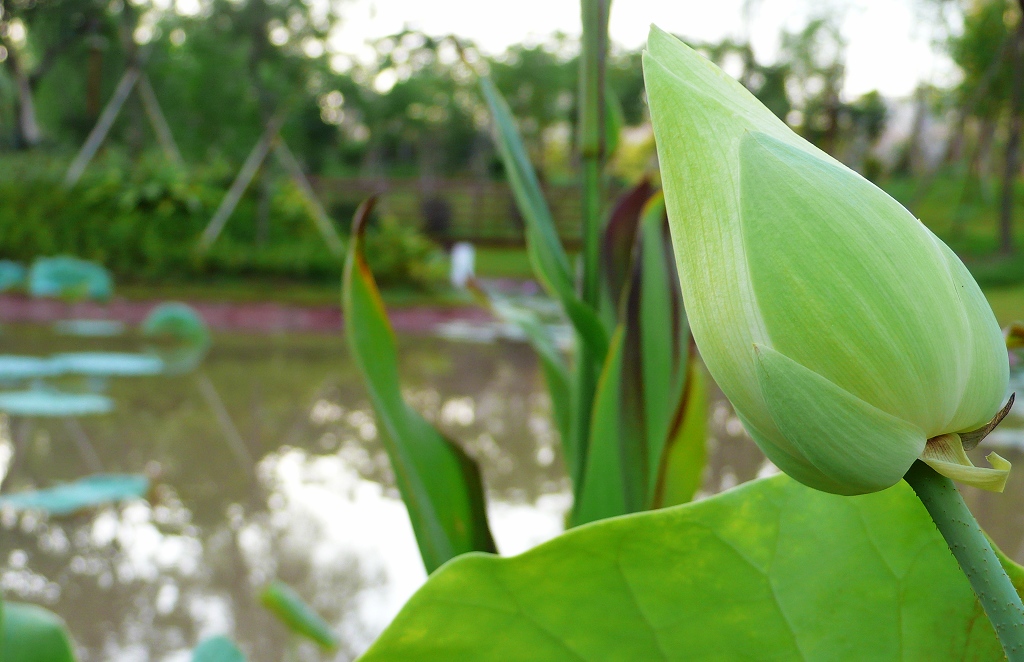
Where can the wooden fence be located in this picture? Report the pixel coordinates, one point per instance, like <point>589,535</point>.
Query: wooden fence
<point>480,211</point>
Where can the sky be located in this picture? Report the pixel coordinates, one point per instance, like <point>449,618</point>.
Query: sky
<point>889,43</point>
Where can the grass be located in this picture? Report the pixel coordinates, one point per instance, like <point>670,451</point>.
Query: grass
<point>294,293</point>
<point>503,263</point>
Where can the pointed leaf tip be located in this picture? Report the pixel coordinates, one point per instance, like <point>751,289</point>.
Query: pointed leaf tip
<point>362,216</point>
<point>971,439</point>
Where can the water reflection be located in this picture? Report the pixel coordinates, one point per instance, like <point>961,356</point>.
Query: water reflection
<point>267,465</point>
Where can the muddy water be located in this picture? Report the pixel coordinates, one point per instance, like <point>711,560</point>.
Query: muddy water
<point>268,465</point>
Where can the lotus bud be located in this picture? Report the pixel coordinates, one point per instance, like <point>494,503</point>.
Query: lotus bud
<point>850,340</point>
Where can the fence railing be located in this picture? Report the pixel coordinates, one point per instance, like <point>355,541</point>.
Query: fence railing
<point>449,210</point>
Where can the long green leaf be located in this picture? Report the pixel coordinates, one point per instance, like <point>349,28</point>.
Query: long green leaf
<point>769,570</point>
<point>657,324</point>
<point>439,483</point>
<point>556,372</point>
<point>620,238</point>
<point>602,492</point>
<point>640,401</point>
<point>217,649</point>
<point>33,634</point>
<point>685,454</point>
<point>543,245</point>
<point>282,601</point>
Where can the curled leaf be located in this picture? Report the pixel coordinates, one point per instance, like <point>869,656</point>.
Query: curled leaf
<point>946,455</point>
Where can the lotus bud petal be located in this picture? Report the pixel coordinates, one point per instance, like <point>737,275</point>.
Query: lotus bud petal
<point>843,331</point>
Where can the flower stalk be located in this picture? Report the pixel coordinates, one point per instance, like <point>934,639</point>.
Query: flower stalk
<point>975,555</point>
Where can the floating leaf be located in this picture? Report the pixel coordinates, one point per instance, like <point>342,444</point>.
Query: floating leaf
<point>300,618</point>
<point>90,328</point>
<point>69,277</point>
<point>439,483</point>
<point>33,634</point>
<point>109,364</point>
<point>177,322</point>
<point>44,402</point>
<point>769,569</point>
<point>12,275</point>
<point>542,242</point>
<point>217,649</point>
<point>82,494</point>
<point>14,367</point>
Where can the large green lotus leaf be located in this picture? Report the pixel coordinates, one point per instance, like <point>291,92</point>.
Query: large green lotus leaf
<point>82,494</point>
<point>771,570</point>
<point>33,634</point>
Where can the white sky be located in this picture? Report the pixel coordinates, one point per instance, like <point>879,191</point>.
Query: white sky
<point>889,44</point>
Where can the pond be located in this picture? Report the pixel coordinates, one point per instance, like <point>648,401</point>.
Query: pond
<point>266,464</point>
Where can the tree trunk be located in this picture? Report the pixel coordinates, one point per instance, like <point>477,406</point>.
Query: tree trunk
<point>26,128</point>
<point>263,210</point>
<point>1012,164</point>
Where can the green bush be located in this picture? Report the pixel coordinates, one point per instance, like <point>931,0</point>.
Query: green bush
<point>142,221</point>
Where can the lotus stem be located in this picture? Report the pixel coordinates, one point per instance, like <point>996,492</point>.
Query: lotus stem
<point>974,553</point>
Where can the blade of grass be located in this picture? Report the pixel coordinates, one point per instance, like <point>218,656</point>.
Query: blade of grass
<point>439,483</point>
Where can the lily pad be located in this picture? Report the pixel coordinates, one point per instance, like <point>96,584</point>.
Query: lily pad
<point>13,367</point>
<point>110,364</point>
<point>69,277</point>
<point>12,275</point>
<point>217,649</point>
<point>82,494</point>
<point>40,402</point>
<point>177,322</point>
<point>90,328</point>
<point>33,634</point>
<point>771,569</point>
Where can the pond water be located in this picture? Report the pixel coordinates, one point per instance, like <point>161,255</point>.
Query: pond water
<point>266,464</point>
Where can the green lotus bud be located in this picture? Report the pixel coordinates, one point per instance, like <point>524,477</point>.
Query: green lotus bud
<point>844,332</point>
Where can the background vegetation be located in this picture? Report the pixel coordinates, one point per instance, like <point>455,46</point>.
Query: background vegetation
<point>406,119</point>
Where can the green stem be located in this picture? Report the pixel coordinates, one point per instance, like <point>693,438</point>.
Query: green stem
<point>973,552</point>
<point>594,14</point>
<point>591,140</point>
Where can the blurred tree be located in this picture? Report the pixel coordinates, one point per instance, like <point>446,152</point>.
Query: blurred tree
<point>33,37</point>
<point>767,82</point>
<point>540,83</point>
<point>815,60</point>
